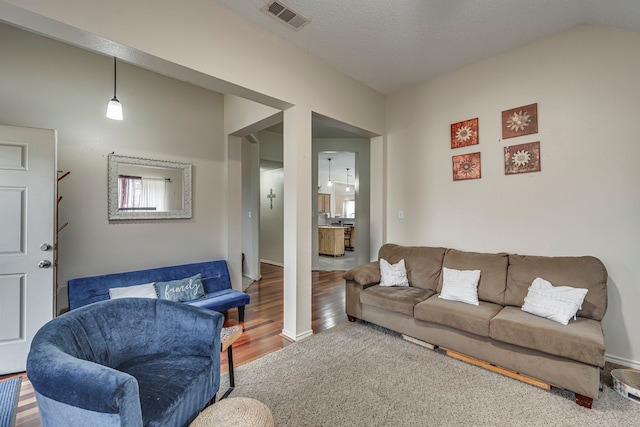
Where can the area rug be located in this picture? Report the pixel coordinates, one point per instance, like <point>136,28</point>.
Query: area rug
<point>9,394</point>
<point>356,374</point>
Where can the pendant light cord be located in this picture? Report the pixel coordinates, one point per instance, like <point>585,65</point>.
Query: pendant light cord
<point>115,69</point>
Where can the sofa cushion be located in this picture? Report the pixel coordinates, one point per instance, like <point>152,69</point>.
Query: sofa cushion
<point>464,317</point>
<point>364,275</point>
<point>170,386</point>
<point>578,272</point>
<point>423,263</point>
<point>581,340</point>
<point>221,300</point>
<point>493,272</point>
<point>399,299</point>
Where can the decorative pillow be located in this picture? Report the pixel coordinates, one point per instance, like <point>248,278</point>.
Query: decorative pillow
<point>557,303</point>
<point>137,291</point>
<point>393,275</point>
<point>460,285</point>
<point>182,289</point>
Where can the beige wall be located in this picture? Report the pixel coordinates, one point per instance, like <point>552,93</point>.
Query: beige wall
<point>272,220</point>
<point>53,85</point>
<point>205,37</point>
<point>583,202</point>
<point>204,43</point>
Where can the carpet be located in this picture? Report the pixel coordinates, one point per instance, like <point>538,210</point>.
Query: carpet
<point>9,394</point>
<point>357,374</point>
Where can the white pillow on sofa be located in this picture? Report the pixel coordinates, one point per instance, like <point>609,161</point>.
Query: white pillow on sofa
<point>460,285</point>
<point>393,274</point>
<point>137,291</point>
<point>557,303</point>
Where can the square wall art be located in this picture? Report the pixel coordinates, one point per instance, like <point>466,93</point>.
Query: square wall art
<point>522,158</point>
<point>520,121</point>
<point>466,166</point>
<point>464,133</point>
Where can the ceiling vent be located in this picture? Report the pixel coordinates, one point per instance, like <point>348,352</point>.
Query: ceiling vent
<point>285,14</point>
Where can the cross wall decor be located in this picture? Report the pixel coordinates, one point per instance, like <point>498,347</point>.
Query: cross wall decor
<point>271,196</point>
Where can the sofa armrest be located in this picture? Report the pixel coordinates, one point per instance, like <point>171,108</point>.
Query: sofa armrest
<point>365,275</point>
<point>83,384</point>
<point>196,330</point>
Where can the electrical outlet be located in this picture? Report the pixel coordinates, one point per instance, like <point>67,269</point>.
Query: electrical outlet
<point>400,214</point>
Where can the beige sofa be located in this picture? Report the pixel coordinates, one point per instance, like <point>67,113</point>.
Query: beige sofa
<point>497,331</point>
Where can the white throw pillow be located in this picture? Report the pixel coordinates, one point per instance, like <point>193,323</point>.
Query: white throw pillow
<point>137,291</point>
<point>557,303</point>
<point>393,275</point>
<point>460,285</point>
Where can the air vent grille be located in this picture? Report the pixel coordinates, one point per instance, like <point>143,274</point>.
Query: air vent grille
<point>285,14</point>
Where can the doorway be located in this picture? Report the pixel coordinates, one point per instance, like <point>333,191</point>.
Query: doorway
<point>337,210</point>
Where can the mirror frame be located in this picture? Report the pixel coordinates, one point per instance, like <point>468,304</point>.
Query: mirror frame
<point>115,214</point>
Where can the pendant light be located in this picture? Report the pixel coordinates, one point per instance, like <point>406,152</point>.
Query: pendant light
<point>348,189</point>
<point>114,109</point>
<point>329,184</point>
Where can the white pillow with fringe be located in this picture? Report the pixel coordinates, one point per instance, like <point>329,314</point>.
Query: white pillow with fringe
<point>557,303</point>
<point>393,274</point>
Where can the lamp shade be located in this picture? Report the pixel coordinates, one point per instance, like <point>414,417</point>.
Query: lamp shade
<point>114,109</point>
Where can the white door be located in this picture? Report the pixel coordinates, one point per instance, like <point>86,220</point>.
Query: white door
<point>27,221</point>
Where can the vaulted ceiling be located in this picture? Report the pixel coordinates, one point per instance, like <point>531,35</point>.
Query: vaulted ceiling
<point>394,45</point>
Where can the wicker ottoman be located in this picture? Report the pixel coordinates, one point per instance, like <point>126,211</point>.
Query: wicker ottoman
<point>235,412</point>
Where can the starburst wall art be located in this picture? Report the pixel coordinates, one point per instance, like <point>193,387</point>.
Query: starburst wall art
<point>464,133</point>
<point>522,158</point>
<point>520,121</point>
<point>466,166</point>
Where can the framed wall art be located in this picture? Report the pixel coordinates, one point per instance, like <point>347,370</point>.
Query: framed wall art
<point>464,133</point>
<point>522,158</point>
<point>466,166</point>
<point>520,121</point>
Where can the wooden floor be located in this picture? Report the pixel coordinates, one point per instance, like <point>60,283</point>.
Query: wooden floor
<point>262,326</point>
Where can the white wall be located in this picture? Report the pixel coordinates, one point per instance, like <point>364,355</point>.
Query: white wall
<point>53,85</point>
<point>583,202</point>
<point>250,208</point>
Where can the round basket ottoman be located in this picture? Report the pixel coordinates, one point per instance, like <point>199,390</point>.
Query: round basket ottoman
<point>235,412</point>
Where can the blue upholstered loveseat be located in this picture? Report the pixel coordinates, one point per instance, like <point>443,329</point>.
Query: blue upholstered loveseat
<point>215,279</point>
<point>126,362</point>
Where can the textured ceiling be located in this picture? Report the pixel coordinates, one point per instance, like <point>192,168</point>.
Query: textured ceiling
<point>393,45</point>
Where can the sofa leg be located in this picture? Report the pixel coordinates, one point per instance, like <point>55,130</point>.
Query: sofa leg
<point>584,401</point>
<point>241,313</point>
<point>351,318</point>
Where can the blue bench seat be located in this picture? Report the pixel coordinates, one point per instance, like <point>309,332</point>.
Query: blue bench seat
<point>215,279</point>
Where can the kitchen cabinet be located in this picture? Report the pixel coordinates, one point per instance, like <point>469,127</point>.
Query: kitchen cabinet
<point>331,241</point>
<point>324,203</point>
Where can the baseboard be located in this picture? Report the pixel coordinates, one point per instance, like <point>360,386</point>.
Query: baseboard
<point>622,361</point>
<point>266,261</point>
<point>291,337</point>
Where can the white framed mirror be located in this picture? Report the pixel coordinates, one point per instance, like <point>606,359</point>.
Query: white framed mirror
<point>148,189</point>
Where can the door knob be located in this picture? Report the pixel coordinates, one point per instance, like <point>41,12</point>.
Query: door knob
<point>45,263</point>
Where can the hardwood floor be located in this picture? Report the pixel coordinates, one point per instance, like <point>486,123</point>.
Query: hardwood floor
<point>262,326</point>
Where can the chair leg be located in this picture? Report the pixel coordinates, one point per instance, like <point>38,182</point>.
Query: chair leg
<point>241,313</point>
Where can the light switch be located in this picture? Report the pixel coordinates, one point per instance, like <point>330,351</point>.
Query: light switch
<point>400,214</point>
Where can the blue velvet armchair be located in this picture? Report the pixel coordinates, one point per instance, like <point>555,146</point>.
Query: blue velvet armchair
<point>126,362</point>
